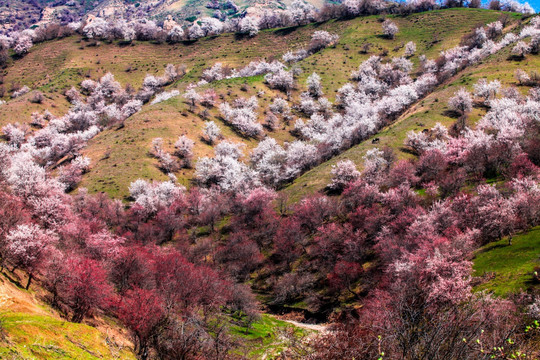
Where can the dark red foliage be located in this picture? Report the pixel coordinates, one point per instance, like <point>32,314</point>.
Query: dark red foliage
<point>141,311</point>
<point>431,165</point>
<point>330,244</point>
<point>239,255</point>
<point>256,209</point>
<point>532,148</point>
<point>344,275</point>
<point>402,171</point>
<point>360,193</point>
<point>168,222</point>
<point>256,217</point>
<point>392,242</point>
<point>289,242</point>
<point>522,167</point>
<point>132,268</point>
<point>368,219</point>
<point>12,212</point>
<point>313,211</point>
<point>451,183</point>
<point>84,287</point>
<point>100,207</point>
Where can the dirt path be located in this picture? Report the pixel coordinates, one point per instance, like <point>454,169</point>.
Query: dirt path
<point>313,327</point>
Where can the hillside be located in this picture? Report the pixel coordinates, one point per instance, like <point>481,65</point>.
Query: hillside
<point>17,15</point>
<point>423,115</point>
<point>68,63</point>
<point>371,180</point>
<point>506,269</point>
<point>31,329</point>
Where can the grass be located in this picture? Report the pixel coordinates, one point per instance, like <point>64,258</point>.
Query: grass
<point>121,156</point>
<point>424,114</point>
<point>30,329</point>
<point>510,266</point>
<point>263,338</point>
<point>42,337</point>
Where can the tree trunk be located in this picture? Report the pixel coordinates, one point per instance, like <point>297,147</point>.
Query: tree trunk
<point>143,352</point>
<point>77,316</point>
<point>29,281</point>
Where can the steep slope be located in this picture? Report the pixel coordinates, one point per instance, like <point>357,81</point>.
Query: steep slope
<point>509,268</point>
<point>30,329</point>
<point>120,155</point>
<point>123,151</point>
<point>423,115</point>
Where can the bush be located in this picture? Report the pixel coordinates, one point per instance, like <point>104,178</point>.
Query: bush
<point>37,97</point>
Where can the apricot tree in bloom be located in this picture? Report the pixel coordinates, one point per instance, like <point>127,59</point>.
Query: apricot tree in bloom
<point>343,173</point>
<point>410,49</point>
<point>461,102</point>
<point>248,25</point>
<point>27,248</point>
<point>321,39</point>
<point>390,29</point>
<point>211,132</point>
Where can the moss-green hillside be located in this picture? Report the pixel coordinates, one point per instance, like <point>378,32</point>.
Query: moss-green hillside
<point>29,329</point>
<point>509,269</point>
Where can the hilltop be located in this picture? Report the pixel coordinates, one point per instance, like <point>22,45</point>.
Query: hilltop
<point>22,14</point>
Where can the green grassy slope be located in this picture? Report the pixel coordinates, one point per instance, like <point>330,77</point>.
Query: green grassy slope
<point>508,269</point>
<point>264,339</point>
<point>44,337</point>
<point>31,330</point>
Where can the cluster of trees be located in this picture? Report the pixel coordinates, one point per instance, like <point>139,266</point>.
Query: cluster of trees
<point>242,116</point>
<point>135,26</point>
<point>183,151</point>
<point>145,29</point>
<point>425,289</point>
<point>380,93</point>
<point>226,170</point>
<point>276,75</point>
<point>298,13</point>
<point>20,42</point>
<point>404,255</point>
<point>171,305</point>
<point>55,142</point>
